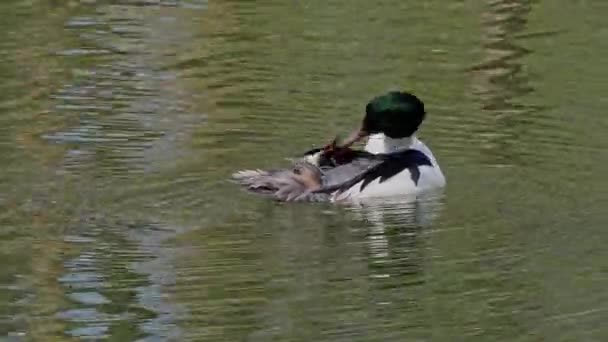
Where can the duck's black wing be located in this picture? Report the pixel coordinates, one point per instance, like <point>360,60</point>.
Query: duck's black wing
<point>368,167</point>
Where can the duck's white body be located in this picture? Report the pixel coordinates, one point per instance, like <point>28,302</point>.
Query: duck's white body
<point>431,176</point>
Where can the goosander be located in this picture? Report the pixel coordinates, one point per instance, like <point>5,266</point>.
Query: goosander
<point>394,161</point>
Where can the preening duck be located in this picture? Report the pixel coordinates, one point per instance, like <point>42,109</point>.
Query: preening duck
<point>394,161</point>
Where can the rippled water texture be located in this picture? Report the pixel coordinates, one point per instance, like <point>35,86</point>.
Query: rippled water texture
<point>121,121</point>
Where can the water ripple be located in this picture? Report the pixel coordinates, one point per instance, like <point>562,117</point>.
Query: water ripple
<point>121,120</point>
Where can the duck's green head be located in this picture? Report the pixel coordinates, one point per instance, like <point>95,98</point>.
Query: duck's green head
<point>396,114</point>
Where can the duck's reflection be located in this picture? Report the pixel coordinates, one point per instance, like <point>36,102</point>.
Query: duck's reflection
<point>396,231</point>
<point>327,269</point>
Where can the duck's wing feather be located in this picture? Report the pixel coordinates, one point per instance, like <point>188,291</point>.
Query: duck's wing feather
<point>280,184</point>
<point>363,167</point>
<point>346,175</point>
<point>263,181</point>
<point>368,167</point>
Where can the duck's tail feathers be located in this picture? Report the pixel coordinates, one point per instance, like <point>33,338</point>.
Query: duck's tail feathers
<point>279,184</point>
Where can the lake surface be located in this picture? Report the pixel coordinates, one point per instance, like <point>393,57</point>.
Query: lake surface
<point>121,121</point>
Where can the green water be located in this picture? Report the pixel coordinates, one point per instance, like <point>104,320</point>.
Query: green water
<point>121,120</point>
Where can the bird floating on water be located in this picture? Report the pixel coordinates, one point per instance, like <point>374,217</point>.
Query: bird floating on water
<point>394,161</point>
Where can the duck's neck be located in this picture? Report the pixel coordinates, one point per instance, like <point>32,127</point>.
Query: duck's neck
<point>380,143</point>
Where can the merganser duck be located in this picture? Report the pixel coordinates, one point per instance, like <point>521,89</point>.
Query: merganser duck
<point>394,161</point>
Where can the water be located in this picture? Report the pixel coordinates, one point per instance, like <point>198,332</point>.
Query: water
<point>121,120</point>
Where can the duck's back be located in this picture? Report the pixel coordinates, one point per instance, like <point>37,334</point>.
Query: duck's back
<point>404,172</point>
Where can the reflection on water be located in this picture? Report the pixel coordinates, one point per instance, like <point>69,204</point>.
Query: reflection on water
<point>500,80</point>
<point>115,281</point>
<point>127,112</point>
<point>121,121</point>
